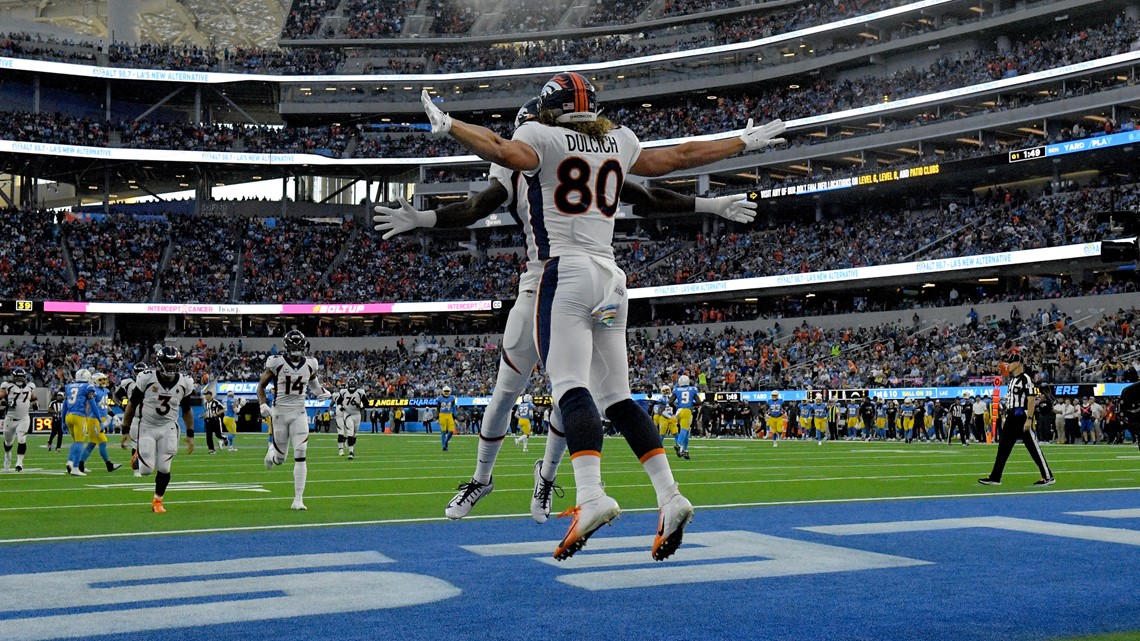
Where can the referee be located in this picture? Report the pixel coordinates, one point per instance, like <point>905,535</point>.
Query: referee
<point>1021,400</point>
<point>213,419</point>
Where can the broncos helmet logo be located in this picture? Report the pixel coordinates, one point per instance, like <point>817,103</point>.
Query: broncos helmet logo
<point>571,97</point>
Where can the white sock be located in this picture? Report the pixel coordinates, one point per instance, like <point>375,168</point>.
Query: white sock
<point>587,476</point>
<point>552,457</point>
<point>19,460</point>
<point>300,473</point>
<point>657,467</point>
<point>488,452</point>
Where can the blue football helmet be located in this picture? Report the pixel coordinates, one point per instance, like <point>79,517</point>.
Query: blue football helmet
<point>570,97</point>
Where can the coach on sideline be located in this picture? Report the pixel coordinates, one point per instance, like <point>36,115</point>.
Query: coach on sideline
<point>1016,424</point>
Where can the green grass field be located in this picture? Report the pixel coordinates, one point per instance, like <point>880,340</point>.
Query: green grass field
<point>407,477</point>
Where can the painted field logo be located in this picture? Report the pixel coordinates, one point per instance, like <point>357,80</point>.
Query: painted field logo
<point>739,555</point>
<point>50,605</point>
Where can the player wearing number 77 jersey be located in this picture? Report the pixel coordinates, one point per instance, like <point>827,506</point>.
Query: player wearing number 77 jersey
<point>519,356</point>
<point>291,375</point>
<point>575,164</point>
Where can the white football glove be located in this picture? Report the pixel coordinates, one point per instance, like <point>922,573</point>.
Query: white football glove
<point>266,410</point>
<point>759,137</point>
<point>398,221</point>
<point>440,122</point>
<point>736,208</point>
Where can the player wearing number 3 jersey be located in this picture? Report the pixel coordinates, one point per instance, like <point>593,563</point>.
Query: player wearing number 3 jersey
<point>574,166</point>
<point>158,397</point>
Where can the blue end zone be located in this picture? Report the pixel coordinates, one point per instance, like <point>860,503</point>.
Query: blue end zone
<point>762,576</point>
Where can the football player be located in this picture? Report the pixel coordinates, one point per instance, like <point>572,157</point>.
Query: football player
<point>229,420</point>
<point>445,406</point>
<point>353,405</point>
<point>159,395</point>
<point>907,413</point>
<point>290,375</point>
<point>97,431</point>
<point>519,355</point>
<point>80,411</point>
<point>575,163</point>
<point>819,418</point>
<point>123,394</point>
<point>776,419</point>
<point>338,399</point>
<point>19,395</point>
<point>525,413</point>
<point>686,397</point>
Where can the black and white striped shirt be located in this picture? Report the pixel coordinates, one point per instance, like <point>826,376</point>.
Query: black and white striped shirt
<point>1020,389</point>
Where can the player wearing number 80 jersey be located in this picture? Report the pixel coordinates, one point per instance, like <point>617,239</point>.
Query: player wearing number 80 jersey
<point>575,164</point>
<point>291,375</point>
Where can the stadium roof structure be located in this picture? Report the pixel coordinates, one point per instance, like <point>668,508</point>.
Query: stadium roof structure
<point>204,23</point>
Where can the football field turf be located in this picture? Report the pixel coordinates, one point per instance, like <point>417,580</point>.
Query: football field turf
<point>844,540</point>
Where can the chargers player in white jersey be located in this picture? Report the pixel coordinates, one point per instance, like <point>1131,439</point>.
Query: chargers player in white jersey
<point>157,395</point>
<point>19,395</point>
<point>290,374</point>
<point>519,355</point>
<point>574,165</point>
<point>353,403</point>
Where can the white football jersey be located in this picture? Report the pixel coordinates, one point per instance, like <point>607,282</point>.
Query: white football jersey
<point>160,403</point>
<point>338,399</point>
<point>573,194</point>
<point>290,381</point>
<point>520,211</point>
<point>128,386</point>
<point>354,401</point>
<point>19,399</point>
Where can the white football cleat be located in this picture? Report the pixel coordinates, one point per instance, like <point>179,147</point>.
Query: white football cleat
<point>675,515</point>
<point>75,471</point>
<point>138,474</point>
<point>541,498</point>
<point>469,494</point>
<point>299,505</point>
<point>588,518</point>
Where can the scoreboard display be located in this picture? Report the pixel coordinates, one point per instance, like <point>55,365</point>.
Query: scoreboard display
<point>42,421</point>
<point>20,306</point>
<point>1071,391</point>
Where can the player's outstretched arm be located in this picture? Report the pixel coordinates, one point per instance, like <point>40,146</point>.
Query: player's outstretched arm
<point>480,141</point>
<point>658,201</point>
<point>471,210</point>
<point>658,162</point>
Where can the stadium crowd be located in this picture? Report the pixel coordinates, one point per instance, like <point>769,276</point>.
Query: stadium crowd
<point>116,256</point>
<point>691,117</point>
<point>203,261</point>
<point>31,259</point>
<point>950,352</point>
<point>284,260</point>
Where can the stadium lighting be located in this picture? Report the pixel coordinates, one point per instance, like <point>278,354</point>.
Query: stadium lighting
<point>793,86</point>
<point>927,285</point>
<point>987,280</point>
<point>711,97</point>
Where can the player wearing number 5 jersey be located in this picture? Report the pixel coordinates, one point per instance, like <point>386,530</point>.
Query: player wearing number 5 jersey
<point>575,164</point>
<point>291,375</point>
<point>19,395</point>
<point>159,395</point>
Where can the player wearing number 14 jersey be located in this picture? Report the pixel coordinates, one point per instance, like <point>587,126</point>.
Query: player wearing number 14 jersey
<point>574,165</point>
<point>291,375</point>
